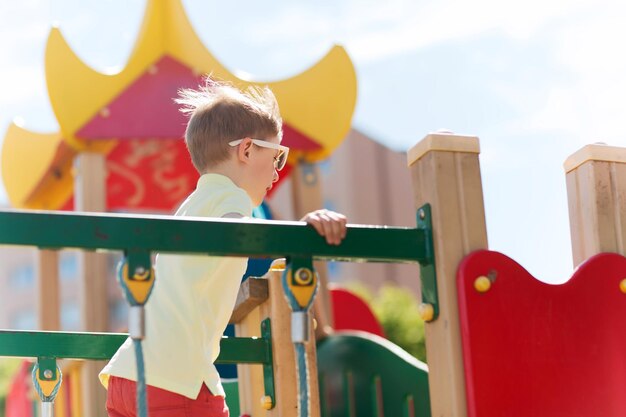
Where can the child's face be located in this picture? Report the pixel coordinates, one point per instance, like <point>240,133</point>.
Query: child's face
<point>263,173</point>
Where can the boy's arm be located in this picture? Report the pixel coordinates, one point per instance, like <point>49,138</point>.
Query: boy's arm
<point>330,224</point>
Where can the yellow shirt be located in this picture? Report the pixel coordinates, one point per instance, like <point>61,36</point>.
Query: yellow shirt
<point>190,305</point>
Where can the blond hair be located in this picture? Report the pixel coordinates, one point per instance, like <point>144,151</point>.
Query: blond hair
<point>220,113</point>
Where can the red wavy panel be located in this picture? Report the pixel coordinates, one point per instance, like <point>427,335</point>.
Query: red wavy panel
<point>536,349</point>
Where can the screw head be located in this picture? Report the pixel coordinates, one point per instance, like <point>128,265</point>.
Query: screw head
<point>482,284</point>
<point>266,402</point>
<point>47,374</point>
<point>622,285</point>
<point>422,214</point>
<point>427,312</point>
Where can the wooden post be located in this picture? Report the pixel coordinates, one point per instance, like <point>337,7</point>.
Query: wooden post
<point>48,290</point>
<point>596,189</point>
<point>285,377</point>
<point>307,197</point>
<point>446,173</point>
<point>90,195</point>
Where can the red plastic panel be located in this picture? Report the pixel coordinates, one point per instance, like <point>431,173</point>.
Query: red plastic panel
<point>295,139</point>
<point>146,108</point>
<point>149,175</point>
<point>535,349</point>
<point>18,401</point>
<point>152,175</point>
<point>350,312</point>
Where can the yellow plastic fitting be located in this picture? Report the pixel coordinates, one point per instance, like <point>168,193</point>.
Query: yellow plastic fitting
<point>622,285</point>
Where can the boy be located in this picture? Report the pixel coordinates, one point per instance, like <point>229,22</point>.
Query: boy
<point>234,142</point>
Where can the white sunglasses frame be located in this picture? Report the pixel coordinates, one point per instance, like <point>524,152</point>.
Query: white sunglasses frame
<point>265,144</point>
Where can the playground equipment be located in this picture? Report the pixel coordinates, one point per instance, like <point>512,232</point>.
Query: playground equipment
<point>142,235</point>
<point>498,341</point>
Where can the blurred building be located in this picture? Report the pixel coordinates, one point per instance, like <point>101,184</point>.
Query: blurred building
<point>18,295</point>
<point>363,179</point>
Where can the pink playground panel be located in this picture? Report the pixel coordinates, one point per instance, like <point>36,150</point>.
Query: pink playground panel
<point>535,349</point>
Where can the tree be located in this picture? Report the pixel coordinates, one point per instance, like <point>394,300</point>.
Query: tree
<point>397,311</point>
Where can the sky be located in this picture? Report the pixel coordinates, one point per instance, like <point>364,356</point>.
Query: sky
<point>534,80</point>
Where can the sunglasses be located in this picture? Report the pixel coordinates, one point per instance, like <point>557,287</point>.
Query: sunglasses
<point>279,160</point>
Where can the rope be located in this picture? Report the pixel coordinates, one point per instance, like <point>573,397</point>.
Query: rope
<point>142,402</point>
<point>299,346</point>
<point>303,380</point>
<point>46,398</point>
<point>137,297</point>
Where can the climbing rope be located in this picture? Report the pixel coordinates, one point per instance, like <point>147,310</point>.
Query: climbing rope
<point>300,288</point>
<point>137,289</point>
<point>47,388</point>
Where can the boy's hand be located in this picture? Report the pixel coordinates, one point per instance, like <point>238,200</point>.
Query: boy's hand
<point>329,224</point>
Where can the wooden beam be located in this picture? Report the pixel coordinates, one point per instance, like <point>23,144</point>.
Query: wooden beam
<point>48,290</point>
<point>90,195</point>
<point>596,190</point>
<point>252,293</point>
<point>285,377</point>
<point>446,173</point>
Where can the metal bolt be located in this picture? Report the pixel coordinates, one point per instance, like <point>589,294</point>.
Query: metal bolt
<point>140,270</point>
<point>47,374</point>
<point>304,276</point>
<point>622,285</point>
<point>422,214</point>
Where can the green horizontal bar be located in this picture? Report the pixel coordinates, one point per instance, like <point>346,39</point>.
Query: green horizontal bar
<point>220,237</point>
<point>244,350</point>
<point>60,344</point>
<point>102,346</point>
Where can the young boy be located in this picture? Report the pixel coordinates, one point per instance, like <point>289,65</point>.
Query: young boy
<point>234,142</point>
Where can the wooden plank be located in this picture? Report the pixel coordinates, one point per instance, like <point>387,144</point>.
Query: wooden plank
<point>250,377</point>
<point>90,195</point>
<point>251,389</point>
<point>48,290</point>
<point>252,293</point>
<point>446,173</point>
<point>284,355</point>
<point>596,188</point>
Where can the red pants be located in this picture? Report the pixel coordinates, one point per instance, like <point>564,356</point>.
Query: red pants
<point>122,402</point>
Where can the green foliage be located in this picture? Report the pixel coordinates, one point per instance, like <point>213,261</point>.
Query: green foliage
<point>8,367</point>
<point>397,311</point>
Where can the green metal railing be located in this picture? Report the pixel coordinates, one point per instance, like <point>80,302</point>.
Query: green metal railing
<point>102,346</point>
<point>219,237</point>
<point>138,236</point>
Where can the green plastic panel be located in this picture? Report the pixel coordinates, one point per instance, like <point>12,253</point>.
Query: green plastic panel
<point>231,388</point>
<point>225,237</point>
<point>367,376</point>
